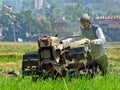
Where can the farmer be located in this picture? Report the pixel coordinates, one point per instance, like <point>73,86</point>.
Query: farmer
<point>96,39</point>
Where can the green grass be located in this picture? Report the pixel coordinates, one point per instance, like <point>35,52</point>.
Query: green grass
<point>108,82</point>
<point>14,51</point>
<point>10,58</point>
<point>17,48</point>
<point>113,53</point>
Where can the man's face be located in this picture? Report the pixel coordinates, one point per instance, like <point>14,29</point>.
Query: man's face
<point>85,24</point>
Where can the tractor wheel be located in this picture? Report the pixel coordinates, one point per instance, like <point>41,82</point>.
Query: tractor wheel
<point>30,63</point>
<point>102,62</point>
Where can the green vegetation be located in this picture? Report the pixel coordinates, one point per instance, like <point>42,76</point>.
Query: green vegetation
<point>14,51</point>
<point>25,25</point>
<point>109,82</point>
<point>17,48</point>
<point>113,53</point>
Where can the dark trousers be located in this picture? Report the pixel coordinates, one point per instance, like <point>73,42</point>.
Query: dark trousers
<point>102,62</point>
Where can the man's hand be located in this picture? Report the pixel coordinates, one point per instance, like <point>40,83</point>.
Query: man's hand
<point>89,41</point>
<point>86,40</point>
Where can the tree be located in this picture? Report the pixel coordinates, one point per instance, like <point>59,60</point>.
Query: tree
<point>32,25</point>
<point>24,25</point>
<point>7,19</point>
<point>71,12</point>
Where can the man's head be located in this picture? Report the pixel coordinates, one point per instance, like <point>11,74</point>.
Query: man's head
<point>85,20</point>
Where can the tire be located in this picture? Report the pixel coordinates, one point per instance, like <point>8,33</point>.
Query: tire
<point>30,63</point>
<point>102,62</point>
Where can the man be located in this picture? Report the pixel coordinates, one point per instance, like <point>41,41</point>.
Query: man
<point>96,39</point>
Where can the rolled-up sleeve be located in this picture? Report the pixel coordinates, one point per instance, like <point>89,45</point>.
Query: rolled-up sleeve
<point>100,35</point>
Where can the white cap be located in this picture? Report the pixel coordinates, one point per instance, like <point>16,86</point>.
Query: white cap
<point>85,17</point>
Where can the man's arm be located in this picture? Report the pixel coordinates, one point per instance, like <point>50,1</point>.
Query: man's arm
<point>100,35</point>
